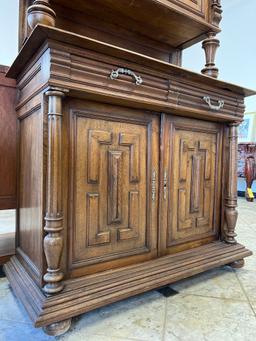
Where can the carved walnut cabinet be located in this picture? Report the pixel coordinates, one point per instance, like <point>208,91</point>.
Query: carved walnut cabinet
<point>127,161</point>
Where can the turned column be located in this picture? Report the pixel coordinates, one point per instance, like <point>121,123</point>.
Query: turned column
<point>211,43</point>
<point>40,13</point>
<point>53,241</point>
<point>231,191</point>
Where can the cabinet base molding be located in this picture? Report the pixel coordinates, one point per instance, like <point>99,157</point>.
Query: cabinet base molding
<point>90,292</point>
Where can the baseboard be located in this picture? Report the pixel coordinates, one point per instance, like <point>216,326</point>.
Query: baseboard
<point>89,292</point>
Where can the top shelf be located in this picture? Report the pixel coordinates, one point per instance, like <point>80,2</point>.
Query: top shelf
<point>179,23</point>
<point>157,28</point>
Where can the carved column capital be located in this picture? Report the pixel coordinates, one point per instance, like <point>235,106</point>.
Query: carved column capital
<point>216,12</point>
<point>40,13</point>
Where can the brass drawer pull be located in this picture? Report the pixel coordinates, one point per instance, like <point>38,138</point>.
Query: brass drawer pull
<point>115,73</point>
<point>220,105</point>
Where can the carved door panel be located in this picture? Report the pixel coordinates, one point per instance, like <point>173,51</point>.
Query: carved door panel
<point>114,157</point>
<point>190,182</point>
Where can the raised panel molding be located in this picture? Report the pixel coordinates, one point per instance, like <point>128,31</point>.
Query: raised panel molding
<point>110,184</point>
<point>95,236</point>
<point>95,139</point>
<point>133,141</point>
<point>193,180</point>
<point>115,163</point>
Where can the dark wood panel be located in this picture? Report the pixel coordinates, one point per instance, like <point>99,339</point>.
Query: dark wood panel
<point>8,141</point>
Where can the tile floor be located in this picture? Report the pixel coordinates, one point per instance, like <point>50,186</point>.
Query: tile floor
<point>219,305</point>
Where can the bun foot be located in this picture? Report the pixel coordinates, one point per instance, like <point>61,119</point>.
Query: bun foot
<point>237,264</point>
<point>57,328</point>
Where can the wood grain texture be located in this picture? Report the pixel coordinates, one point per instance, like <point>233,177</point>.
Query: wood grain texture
<point>31,192</point>
<point>112,164</point>
<point>8,141</point>
<point>162,24</point>
<point>191,158</point>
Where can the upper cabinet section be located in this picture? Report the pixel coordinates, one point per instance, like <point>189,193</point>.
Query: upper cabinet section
<point>158,28</point>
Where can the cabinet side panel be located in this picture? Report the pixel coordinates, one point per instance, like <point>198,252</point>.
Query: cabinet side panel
<point>7,141</point>
<point>30,192</point>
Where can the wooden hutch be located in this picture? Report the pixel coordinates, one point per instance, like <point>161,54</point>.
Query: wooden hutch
<point>127,162</point>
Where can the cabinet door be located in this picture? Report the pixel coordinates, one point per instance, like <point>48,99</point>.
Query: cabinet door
<point>190,183</point>
<point>115,157</point>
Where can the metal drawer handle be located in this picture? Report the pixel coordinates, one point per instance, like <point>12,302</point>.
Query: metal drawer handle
<point>115,73</point>
<point>220,105</point>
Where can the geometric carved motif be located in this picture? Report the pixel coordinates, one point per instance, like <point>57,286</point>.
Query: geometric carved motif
<point>110,186</point>
<point>194,182</point>
<point>115,160</point>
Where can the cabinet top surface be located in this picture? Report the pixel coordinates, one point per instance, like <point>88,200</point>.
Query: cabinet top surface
<point>43,34</point>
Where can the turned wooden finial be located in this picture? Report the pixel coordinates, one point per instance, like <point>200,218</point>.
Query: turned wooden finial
<point>40,13</point>
<point>210,46</point>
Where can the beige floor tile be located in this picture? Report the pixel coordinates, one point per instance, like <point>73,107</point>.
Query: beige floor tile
<point>11,309</point>
<point>15,331</point>
<point>247,278</point>
<point>139,318</point>
<point>191,317</point>
<point>221,282</point>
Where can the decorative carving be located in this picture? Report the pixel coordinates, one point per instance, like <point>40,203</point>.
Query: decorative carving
<point>93,221</point>
<point>133,223</point>
<point>210,46</point>
<point>115,74</point>
<point>216,12</point>
<point>195,183</point>
<point>53,241</point>
<point>40,13</point>
<point>231,191</point>
<point>133,141</point>
<point>95,139</point>
<point>115,186</point>
<point>193,179</point>
<point>111,189</point>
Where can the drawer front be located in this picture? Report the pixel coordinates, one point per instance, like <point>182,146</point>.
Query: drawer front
<point>191,174</point>
<point>112,167</point>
